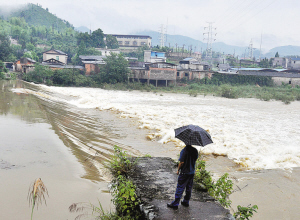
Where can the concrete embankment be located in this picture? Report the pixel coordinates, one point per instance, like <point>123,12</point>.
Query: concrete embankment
<point>156,182</point>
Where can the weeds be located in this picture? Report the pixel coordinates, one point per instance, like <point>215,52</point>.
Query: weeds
<point>125,198</point>
<point>120,163</point>
<point>97,212</point>
<point>36,194</point>
<point>220,190</point>
<point>245,212</point>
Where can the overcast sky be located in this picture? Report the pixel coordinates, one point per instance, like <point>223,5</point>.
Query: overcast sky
<point>236,21</point>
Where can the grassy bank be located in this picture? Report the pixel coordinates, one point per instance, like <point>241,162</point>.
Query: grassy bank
<point>284,93</point>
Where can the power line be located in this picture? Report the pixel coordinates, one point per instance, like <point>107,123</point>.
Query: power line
<point>210,38</point>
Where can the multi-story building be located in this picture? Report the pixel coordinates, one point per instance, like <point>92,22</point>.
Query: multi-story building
<point>132,41</point>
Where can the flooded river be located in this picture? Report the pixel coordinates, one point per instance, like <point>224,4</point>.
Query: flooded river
<point>64,135</point>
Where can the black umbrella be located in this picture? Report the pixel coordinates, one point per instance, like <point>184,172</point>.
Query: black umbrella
<point>193,135</point>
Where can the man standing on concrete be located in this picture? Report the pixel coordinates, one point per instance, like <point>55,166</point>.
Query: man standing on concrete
<point>186,171</point>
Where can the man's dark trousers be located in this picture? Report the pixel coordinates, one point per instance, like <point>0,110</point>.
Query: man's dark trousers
<point>185,181</point>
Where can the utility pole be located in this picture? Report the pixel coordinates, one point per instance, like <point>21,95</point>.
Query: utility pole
<point>260,47</point>
<point>210,38</point>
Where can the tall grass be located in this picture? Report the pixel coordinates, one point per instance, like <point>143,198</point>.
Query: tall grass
<point>36,194</point>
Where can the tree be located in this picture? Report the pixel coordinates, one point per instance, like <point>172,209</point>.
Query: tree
<point>97,38</point>
<point>111,42</point>
<point>115,70</point>
<point>277,54</point>
<point>5,48</point>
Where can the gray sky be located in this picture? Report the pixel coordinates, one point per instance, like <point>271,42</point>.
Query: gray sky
<point>237,21</point>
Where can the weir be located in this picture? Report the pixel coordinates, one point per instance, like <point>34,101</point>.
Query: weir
<point>156,179</point>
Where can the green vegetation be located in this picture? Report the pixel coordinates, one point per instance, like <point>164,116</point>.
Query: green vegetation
<point>120,163</point>
<point>96,212</point>
<point>245,212</point>
<point>60,77</point>
<point>220,190</point>
<point>114,71</point>
<point>36,30</point>
<point>123,191</point>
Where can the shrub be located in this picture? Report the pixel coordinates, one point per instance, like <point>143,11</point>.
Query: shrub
<point>193,93</point>
<point>222,189</point>
<point>228,91</point>
<point>244,212</point>
<point>120,163</point>
<point>202,177</point>
<point>125,198</point>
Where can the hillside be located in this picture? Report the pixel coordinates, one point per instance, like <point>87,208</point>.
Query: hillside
<point>218,46</point>
<point>200,46</point>
<point>35,15</point>
<point>284,51</point>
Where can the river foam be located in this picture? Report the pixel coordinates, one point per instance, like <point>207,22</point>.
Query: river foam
<point>254,133</point>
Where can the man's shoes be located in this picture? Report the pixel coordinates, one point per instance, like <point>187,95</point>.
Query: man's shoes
<point>185,204</point>
<point>172,206</point>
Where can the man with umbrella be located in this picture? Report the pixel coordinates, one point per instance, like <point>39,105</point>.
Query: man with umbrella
<point>190,135</point>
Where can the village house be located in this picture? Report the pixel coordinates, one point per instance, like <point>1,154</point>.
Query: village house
<point>107,52</point>
<point>132,41</point>
<point>294,63</point>
<point>154,57</point>
<point>160,73</point>
<point>56,65</point>
<point>55,54</point>
<point>91,63</point>
<point>190,68</point>
<point>280,62</point>
<point>24,65</point>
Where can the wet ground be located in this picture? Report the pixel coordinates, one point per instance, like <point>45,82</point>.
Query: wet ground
<point>156,182</point>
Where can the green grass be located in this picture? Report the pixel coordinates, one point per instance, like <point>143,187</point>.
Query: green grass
<point>284,93</point>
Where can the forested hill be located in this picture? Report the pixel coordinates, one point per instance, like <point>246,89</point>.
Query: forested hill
<point>35,15</point>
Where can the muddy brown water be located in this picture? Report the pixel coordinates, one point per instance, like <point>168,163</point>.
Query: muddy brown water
<point>67,146</point>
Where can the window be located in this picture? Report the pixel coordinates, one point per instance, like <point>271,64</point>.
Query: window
<point>186,74</point>
<point>143,43</point>
<point>177,73</point>
<point>120,42</point>
<point>57,57</point>
<point>134,43</point>
<point>127,42</point>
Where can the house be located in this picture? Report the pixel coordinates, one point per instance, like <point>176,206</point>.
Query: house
<point>55,54</point>
<point>223,67</point>
<point>190,68</point>
<point>56,64</point>
<point>107,52</point>
<point>294,63</point>
<point>92,63</point>
<point>280,62</point>
<point>159,73</point>
<point>24,65</point>
<point>132,41</point>
<point>154,57</point>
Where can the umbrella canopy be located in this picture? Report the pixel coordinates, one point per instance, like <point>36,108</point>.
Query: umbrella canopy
<point>193,135</point>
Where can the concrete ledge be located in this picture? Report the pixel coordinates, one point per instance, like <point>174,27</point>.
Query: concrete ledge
<point>156,182</point>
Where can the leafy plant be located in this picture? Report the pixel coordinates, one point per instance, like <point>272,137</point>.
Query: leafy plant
<point>222,189</point>
<point>120,163</point>
<point>125,198</point>
<point>36,194</point>
<point>245,212</point>
<point>203,177</point>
